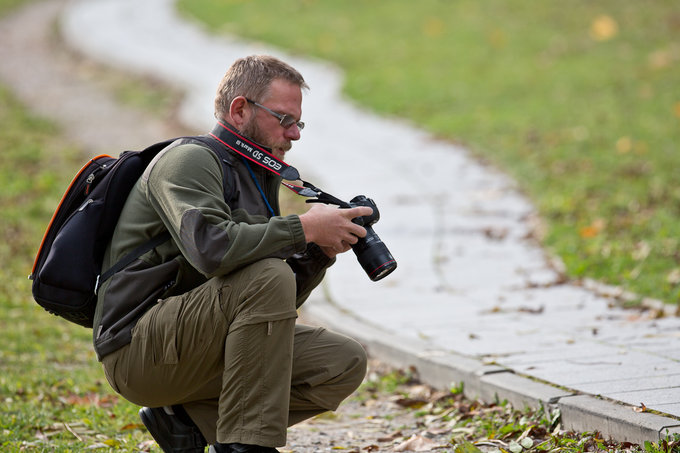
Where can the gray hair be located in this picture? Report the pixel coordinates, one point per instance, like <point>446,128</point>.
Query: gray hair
<point>251,77</point>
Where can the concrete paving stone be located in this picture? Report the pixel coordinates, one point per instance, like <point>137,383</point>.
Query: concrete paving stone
<point>471,344</point>
<point>587,413</point>
<point>585,350</point>
<point>650,397</point>
<point>672,354</point>
<point>571,373</point>
<point>658,345</point>
<point>632,384</point>
<point>632,335</point>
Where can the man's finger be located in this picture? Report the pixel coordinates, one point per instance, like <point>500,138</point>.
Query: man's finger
<point>358,211</point>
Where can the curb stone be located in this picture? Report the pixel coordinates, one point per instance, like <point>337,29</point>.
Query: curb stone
<point>587,412</point>
<point>491,383</point>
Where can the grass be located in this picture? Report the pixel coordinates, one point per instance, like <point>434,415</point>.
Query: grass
<point>580,103</point>
<point>496,427</point>
<point>54,394</point>
<point>53,391</point>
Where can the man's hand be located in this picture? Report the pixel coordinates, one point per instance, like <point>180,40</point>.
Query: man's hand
<point>332,229</point>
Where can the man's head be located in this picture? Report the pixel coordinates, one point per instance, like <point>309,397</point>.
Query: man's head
<point>275,86</point>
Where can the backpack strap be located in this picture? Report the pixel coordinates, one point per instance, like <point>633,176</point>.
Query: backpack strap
<point>229,191</point>
<point>225,159</point>
<point>130,257</point>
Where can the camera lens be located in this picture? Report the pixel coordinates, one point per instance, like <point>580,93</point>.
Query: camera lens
<point>373,256</point>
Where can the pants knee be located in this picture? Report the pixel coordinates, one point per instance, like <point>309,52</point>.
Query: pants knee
<point>276,280</point>
<point>356,360</point>
<point>263,291</point>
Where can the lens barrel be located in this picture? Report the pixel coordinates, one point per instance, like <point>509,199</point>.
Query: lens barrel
<point>371,252</point>
<point>374,256</point>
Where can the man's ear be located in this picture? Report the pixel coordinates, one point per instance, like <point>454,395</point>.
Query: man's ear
<point>239,112</point>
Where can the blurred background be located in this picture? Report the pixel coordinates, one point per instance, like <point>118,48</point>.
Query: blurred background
<point>578,101</point>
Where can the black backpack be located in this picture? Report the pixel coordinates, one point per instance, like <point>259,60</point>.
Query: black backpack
<point>67,269</point>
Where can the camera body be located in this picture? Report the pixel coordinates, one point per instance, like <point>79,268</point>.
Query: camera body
<point>371,252</point>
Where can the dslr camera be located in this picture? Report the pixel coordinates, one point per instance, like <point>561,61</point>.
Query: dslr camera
<point>371,252</point>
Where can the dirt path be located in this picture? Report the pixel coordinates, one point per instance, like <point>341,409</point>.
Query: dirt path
<point>69,90</point>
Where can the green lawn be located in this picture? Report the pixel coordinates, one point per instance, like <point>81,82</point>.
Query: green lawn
<point>53,391</point>
<point>579,101</point>
<point>53,394</point>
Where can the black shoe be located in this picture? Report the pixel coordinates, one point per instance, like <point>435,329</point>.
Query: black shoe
<point>241,448</point>
<point>172,434</point>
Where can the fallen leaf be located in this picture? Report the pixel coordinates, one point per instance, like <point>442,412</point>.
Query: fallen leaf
<point>132,426</point>
<point>71,430</point>
<point>390,437</point>
<point>411,403</point>
<point>661,58</point>
<point>89,399</point>
<point>531,310</point>
<point>371,447</point>
<point>673,276</point>
<point>641,251</point>
<point>467,447</point>
<point>420,391</point>
<point>641,408</point>
<point>437,431</point>
<point>146,445</point>
<point>593,229</point>
<point>433,27</point>
<point>624,145</point>
<point>416,443</point>
<point>603,28</point>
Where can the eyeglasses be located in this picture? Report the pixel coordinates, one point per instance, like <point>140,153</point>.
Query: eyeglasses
<point>285,120</point>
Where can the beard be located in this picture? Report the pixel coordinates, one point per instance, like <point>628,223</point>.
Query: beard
<point>254,133</point>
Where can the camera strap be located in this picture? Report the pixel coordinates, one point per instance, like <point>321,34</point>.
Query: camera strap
<point>252,151</point>
<point>262,156</point>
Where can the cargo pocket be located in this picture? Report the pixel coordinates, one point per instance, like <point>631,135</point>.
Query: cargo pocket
<point>158,329</point>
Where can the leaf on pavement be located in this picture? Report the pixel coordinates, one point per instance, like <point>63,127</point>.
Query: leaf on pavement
<point>390,437</point>
<point>640,408</point>
<point>411,403</point>
<point>416,443</point>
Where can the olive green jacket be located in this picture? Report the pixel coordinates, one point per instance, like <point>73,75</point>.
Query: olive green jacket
<point>182,192</point>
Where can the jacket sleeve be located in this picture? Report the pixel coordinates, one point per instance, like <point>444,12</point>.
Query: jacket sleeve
<point>184,185</point>
<point>309,268</point>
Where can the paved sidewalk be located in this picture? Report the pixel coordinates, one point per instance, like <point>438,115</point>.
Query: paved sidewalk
<point>474,298</point>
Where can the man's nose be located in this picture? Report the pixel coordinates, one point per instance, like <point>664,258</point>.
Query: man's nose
<point>292,132</point>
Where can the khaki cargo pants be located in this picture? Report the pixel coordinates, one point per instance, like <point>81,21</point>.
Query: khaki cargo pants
<point>230,352</point>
